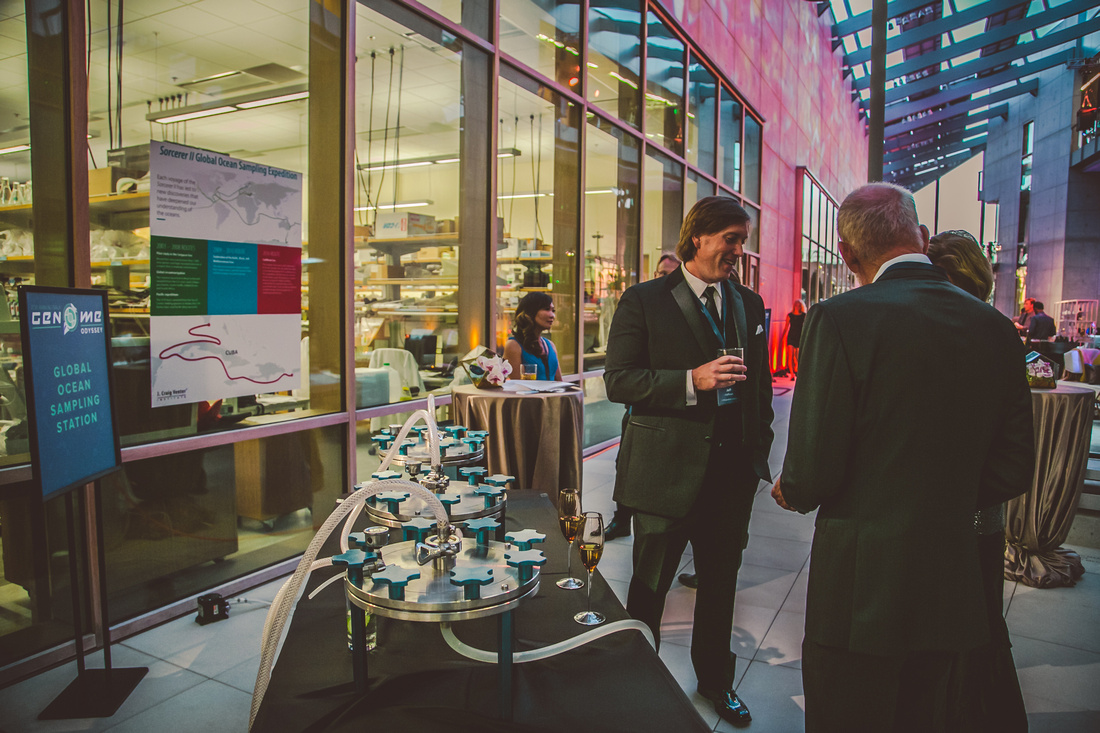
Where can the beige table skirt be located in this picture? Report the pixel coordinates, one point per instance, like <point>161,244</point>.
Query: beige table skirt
<point>1037,523</point>
<point>534,437</point>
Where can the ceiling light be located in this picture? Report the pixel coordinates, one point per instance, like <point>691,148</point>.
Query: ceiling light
<point>273,100</point>
<point>183,117</point>
<point>406,205</point>
<point>522,195</point>
<point>224,106</point>
<point>429,160</point>
<point>15,149</point>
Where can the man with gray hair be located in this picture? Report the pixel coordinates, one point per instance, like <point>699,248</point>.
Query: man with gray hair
<point>896,451</point>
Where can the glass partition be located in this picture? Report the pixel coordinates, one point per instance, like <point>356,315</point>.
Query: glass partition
<point>409,157</point>
<point>545,36</point>
<point>702,121</point>
<point>614,58</point>
<point>753,135</point>
<point>729,141</point>
<point>177,524</point>
<point>696,187</point>
<point>664,93</point>
<point>611,236</point>
<point>239,97</point>
<point>664,200</point>
<point>537,198</point>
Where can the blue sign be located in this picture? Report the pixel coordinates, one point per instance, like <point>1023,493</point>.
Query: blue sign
<point>65,347</point>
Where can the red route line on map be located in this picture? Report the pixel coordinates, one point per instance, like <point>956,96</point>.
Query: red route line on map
<point>207,339</point>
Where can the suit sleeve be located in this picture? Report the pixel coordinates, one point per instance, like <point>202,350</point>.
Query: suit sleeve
<point>1010,465</point>
<point>822,417</point>
<point>629,374</point>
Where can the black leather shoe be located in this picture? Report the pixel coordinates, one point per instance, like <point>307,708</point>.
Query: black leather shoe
<point>616,529</point>
<point>729,706</point>
<point>689,580</point>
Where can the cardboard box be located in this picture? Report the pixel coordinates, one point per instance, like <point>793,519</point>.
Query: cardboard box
<point>103,180</point>
<point>401,224</point>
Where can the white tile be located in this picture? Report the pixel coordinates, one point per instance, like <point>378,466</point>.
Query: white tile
<point>773,552</point>
<point>788,525</point>
<point>1058,673</point>
<point>678,661</point>
<point>616,563</point>
<point>783,643</point>
<point>763,586</point>
<point>243,676</point>
<point>750,626</point>
<point>21,703</point>
<point>210,707</point>
<point>1048,716</point>
<point>774,697</point>
<point>1058,615</point>
<point>208,650</point>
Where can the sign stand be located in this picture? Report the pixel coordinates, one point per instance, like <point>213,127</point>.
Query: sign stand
<point>95,693</point>
<point>74,441</point>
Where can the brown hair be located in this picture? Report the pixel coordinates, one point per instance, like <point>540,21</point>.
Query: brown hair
<point>958,253</point>
<point>525,330</point>
<point>710,215</point>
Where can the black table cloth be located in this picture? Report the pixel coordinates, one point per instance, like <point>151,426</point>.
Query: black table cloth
<point>417,682</point>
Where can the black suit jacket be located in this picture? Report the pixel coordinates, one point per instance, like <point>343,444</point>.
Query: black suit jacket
<point>911,411</point>
<point>659,333</point>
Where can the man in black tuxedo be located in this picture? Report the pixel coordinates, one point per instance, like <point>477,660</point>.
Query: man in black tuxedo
<point>897,449</point>
<point>1041,327</point>
<point>697,439</point>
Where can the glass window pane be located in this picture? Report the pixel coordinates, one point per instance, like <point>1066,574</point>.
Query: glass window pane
<point>753,243</point>
<point>473,15</point>
<point>544,36</point>
<point>753,141</point>
<point>259,90</point>
<point>702,124</point>
<point>696,187</point>
<point>537,200</point>
<point>664,86</point>
<point>409,117</point>
<point>171,521</point>
<point>612,170</point>
<point>663,208</point>
<point>729,141</point>
<point>614,62</point>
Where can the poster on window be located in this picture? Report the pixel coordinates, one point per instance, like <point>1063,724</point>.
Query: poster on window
<point>226,276</point>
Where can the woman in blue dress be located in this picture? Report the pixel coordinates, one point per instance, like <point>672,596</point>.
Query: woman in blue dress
<point>526,344</point>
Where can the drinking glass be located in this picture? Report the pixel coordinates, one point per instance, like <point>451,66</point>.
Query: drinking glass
<point>569,519</point>
<point>591,534</point>
<point>528,371</point>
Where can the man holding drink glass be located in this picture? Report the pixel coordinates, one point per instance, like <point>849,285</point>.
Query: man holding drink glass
<point>699,433</point>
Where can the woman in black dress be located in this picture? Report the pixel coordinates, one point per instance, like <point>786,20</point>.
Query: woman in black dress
<point>795,320</point>
<point>983,690</point>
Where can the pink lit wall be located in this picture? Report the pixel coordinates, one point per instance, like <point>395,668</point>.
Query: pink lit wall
<point>778,55</point>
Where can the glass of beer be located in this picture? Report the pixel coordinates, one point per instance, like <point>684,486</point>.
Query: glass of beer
<point>528,371</point>
<point>569,520</point>
<point>591,538</point>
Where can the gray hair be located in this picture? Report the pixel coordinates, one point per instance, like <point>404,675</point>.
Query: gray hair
<point>878,217</point>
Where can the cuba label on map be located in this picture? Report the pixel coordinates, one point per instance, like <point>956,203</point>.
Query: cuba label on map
<point>226,276</point>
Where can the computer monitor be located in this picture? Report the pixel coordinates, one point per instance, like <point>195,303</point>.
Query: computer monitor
<point>422,349</point>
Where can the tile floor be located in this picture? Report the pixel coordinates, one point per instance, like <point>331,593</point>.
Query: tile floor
<point>201,678</point>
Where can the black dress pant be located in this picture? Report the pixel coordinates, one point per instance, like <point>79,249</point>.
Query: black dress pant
<point>717,527</point>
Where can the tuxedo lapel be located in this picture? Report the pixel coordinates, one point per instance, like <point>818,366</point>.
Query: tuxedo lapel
<point>693,314</point>
<point>735,312</point>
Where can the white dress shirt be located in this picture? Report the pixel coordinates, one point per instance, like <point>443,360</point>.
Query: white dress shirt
<point>911,257</point>
<point>698,286</point>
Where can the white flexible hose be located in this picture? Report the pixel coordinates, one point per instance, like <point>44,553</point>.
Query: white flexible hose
<point>534,655</point>
<point>287,596</point>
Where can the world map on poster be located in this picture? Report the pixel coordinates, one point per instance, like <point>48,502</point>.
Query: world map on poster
<point>226,275</point>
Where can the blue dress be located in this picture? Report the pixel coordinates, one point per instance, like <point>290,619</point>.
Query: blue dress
<point>547,365</point>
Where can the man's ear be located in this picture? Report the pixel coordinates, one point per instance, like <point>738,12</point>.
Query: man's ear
<point>849,256</point>
<point>924,239</point>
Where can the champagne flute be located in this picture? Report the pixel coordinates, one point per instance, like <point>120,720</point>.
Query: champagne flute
<point>591,534</point>
<point>569,519</point>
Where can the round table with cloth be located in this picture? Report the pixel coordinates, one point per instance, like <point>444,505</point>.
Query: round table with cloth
<point>534,437</point>
<point>1037,522</point>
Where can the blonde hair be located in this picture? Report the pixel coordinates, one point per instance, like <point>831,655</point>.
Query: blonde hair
<point>877,217</point>
<point>958,253</point>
